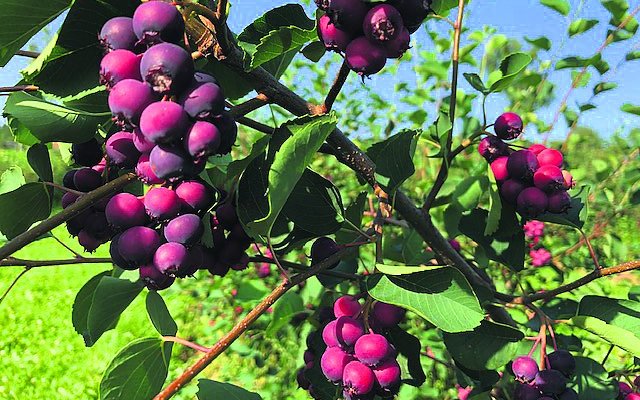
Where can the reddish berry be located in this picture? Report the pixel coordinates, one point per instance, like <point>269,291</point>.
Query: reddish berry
<point>164,122</point>
<point>195,196</point>
<point>128,99</point>
<point>117,66</point>
<point>387,374</point>
<point>347,14</point>
<point>383,23</point>
<point>532,202</point>
<point>357,379</point>
<point>508,126</point>
<point>144,171</point>
<point>522,164</point>
<point>203,100</point>
<point>154,279</point>
<point>333,37</point>
<point>364,57</point>
<point>559,202</point>
<point>125,210</point>
<point>499,169</point>
<point>333,362</point>
<point>537,148</point>
<point>550,157</point>
<point>371,348</point>
<point>396,47</point>
<point>385,316</point>
<point>138,244</point>
<point>167,67</point>
<point>202,140</point>
<point>121,150</point>
<point>492,147</point>
<point>172,259</point>
<point>549,178</point>
<point>162,203</point>
<point>524,368</point>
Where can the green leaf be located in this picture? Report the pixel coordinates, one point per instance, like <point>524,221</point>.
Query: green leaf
<point>495,210</point>
<point>476,82</point>
<point>510,67</point>
<point>99,303</point>
<point>592,381</point>
<point>578,62</point>
<point>159,315</point>
<point>281,41</point>
<point>441,295</point>
<point>38,158</point>
<point>394,159</point>
<point>410,348</point>
<point>28,204</point>
<point>212,390</point>
<point>630,108</point>
<point>138,371</point>
<point>561,6</point>
<point>542,42</point>
<point>634,293</point>
<point>581,25</point>
<point>624,314</point>
<point>617,8</point>
<point>251,291</point>
<point>603,87</point>
<point>632,55</point>
<point>487,347</point>
<point>610,333</point>
<point>314,51</point>
<point>11,179</point>
<point>577,214</point>
<point>22,19</point>
<point>51,122</point>
<point>285,308</point>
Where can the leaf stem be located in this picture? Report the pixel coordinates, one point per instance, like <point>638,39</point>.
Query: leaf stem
<point>186,343</point>
<point>13,284</point>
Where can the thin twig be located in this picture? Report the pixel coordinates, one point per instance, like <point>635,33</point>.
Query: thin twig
<point>6,292</point>
<point>437,360</point>
<point>26,53</point>
<point>75,253</point>
<point>19,88</point>
<point>592,252</point>
<point>249,105</point>
<point>335,89</point>
<point>64,189</point>
<point>18,262</point>
<point>258,126</point>
<point>300,267</point>
<point>186,343</point>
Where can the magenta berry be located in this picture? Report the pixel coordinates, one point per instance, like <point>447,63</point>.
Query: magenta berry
<point>322,249</point>
<point>532,202</point>
<point>511,189</point>
<point>121,150</point>
<point>170,161</point>
<point>413,12</point>
<point>229,130</point>
<point>172,259</point>
<point>499,169</point>
<point>161,203</point>
<point>333,37</point>
<point>396,47</point>
<point>636,382</point>
<point>559,202</point>
<point>164,122</point>
<point>329,334</point>
<point>185,229</point>
<point>563,361</point>
<point>154,279</point>
<point>524,368</point>
<point>117,33</point>
<point>492,147</point>
<point>116,258</point>
<point>549,178</point>
<point>138,244</point>
<point>624,388</point>
<point>357,379</point>
<point>382,23</point>
<point>144,171</point>
<point>157,21</point>
<point>537,148</point>
<point>526,392</point>
<point>371,348</point>
<point>168,68</point>
<point>522,165</point>
<point>550,157</point>
<point>67,179</point>
<point>387,374</point>
<point>68,198</point>
<point>333,362</point>
<point>86,154</point>
<point>119,65</point>
<point>347,14</point>
<point>141,143</point>
<point>385,316</point>
<point>202,140</point>
<point>203,101</point>
<point>348,331</point>
<point>455,244</point>
<point>88,242</point>
<point>508,126</point>
<point>346,305</point>
<point>195,196</point>
<point>550,381</point>
<point>125,210</point>
<point>86,179</point>
<point>632,396</point>
<point>364,57</point>
<point>128,99</point>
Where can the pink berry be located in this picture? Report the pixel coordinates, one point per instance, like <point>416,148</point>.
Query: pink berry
<point>333,362</point>
<point>383,23</point>
<point>125,210</point>
<point>357,379</point>
<point>329,335</point>
<point>154,279</point>
<point>121,150</point>
<point>550,157</point>
<point>537,148</point>
<point>144,171</point>
<point>499,169</point>
<point>569,183</point>
<point>387,374</point>
<point>508,126</point>
<point>157,21</point>
<point>371,348</point>
<point>364,57</point>
<point>195,196</point>
<point>492,147</point>
<point>118,65</point>
<point>396,48</point>
<point>548,178</point>
<point>333,37</point>
<point>346,305</point>
<point>524,368</point>
<point>164,122</point>
<point>162,203</point>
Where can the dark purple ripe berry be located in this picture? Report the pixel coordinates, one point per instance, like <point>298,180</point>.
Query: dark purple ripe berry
<point>525,392</point>
<point>532,202</point>
<point>86,154</point>
<point>371,349</point>
<point>525,369</point>
<point>346,305</point>
<point>511,189</point>
<point>167,67</point>
<point>138,244</point>
<point>396,47</point>
<point>144,171</point>
<point>185,229</point>
<point>116,258</point>
<point>364,57</point>
<point>119,65</point>
<point>563,361</point>
<point>570,394</point>
<point>164,122</point>
<point>157,21</point>
<point>357,379</point>
<point>382,23</point>
<point>141,142</point>
<point>508,126</point>
<point>121,150</point>
<point>227,216</point>
<point>550,157</point>
<point>499,169</point>
<point>323,248</point>
<point>68,198</point>
<point>522,164</point>
<point>202,140</point>
<point>172,259</point>
<point>170,161</point>
<point>195,196</point>
<point>492,147</point>
<point>303,382</point>
<point>77,223</point>
<point>229,130</point>
<point>347,14</point>
<point>413,12</point>
<point>550,381</point>
<point>348,331</point>
<point>67,179</point>
<point>333,362</point>
<point>117,33</point>
<point>203,100</point>
<point>162,203</point>
<point>86,179</point>
<point>202,77</point>
<point>128,99</point>
<point>88,242</point>
<point>97,226</point>
<point>385,316</point>
<point>388,374</point>
<point>125,210</point>
<point>549,178</point>
<point>333,37</point>
<point>154,279</point>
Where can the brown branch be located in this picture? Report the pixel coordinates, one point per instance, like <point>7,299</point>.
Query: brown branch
<point>25,53</point>
<point>186,343</point>
<point>19,88</point>
<point>221,10</point>
<point>68,213</point>
<point>258,126</point>
<point>13,284</point>
<point>341,78</point>
<point>18,262</point>
<point>249,105</point>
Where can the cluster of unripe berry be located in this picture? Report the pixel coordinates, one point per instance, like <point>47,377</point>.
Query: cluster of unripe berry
<point>370,33</point>
<point>629,393</point>
<point>530,179</point>
<point>549,383</point>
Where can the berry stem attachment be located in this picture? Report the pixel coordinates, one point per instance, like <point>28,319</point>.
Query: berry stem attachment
<point>592,252</point>
<point>341,78</point>
<point>283,271</point>
<point>75,253</point>
<point>64,189</point>
<point>186,343</point>
<point>19,88</point>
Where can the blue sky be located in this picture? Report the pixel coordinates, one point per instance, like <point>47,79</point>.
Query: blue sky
<point>514,18</point>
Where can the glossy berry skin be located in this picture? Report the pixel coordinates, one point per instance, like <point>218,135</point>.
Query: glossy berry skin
<point>526,392</point>
<point>550,381</point>
<point>86,154</point>
<point>549,178</point>
<point>387,374</point>
<point>119,65</point>
<point>537,148</point>
<point>508,126</point>
<point>117,33</point>
<point>67,179</point>
<point>346,305</point>
<point>86,179</point>
<point>329,334</point>
<point>229,130</point>
<point>333,362</point>
<point>138,244</point>
<point>371,349</point>
<point>569,394</point>
<point>334,38</point>
<point>395,48</point>
<point>161,203</point>
<point>624,388</point>
<point>524,368</point>
<point>144,171</point>
<point>128,99</point>
<point>348,331</point>
<point>347,14</point>
<point>364,57</point>
<point>170,162</point>
<point>157,21</point>
<point>203,101</point>
<point>121,150</point>
<point>563,361</point>
<point>168,68</point>
<point>116,258</point>
<point>202,140</point>
<point>142,144</point>
<point>67,199</point>
<point>522,165</point>
<point>532,202</point>
<point>499,169</point>
<point>323,248</point>
<point>357,379</point>
<point>385,316</point>
<point>491,148</point>
<point>172,259</point>
<point>382,23</point>
<point>559,202</point>
<point>125,210</point>
<point>510,190</point>
<point>632,396</point>
<point>186,229</point>
<point>195,196</point>
<point>227,216</point>
<point>164,122</point>
<point>550,157</point>
<point>154,279</point>
<point>88,242</point>
<point>413,12</point>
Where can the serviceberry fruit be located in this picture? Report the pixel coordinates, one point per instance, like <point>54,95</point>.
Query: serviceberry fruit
<point>202,140</point>
<point>144,171</point>
<point>413,12</point>
<point>364,57</point>
<point>323,248</point>
<point>385,316</point>
<point>128,99</point>
<point>138,244</point>
<point>117,33</point>
<point>357,379</point>
<point>68,198</point>
<point>382,23</point>
<point>499,169</point>
<point>568,394</point>
<point>537,148</point>
<point>524,368</point>
<point>347,14</point>
<point>550,381</point>
<point>154,279</point>
<point>167,67</point>
<point>387,374</point>
<point>548,178</point>
<point>164,122</point>
<point>121,150</point>
<point>532,202</point>
<point>333,362</point>
<point>227,216</point>
<point>559,202</point>
<point>141,143</point>
<point>348,331</point>
<point>227,126</point>
<point>88,242</point>
<point>186,229</point>
<point>124,211</point>
<point>86,179</point>
<point>170,162</point>
<point>525,392</point>
<point>563,361</point>
<point>172,259</point>
<point>86,154</point>
<point>508,126</point>
<point>157,21</point>
<point>67,179</point>
<point>333,37</point>
<point>346,305</point>
<point>395,48</point>
<point>329,334</point>
<point>195,196</point>
<point>492,147</point>
<point>371,348</point>
<point>162,203</point>
<point>510,190</point>
<point>203,101</point>
<point>522,164</point>
<point>119,65</point>
<point>550,157</point>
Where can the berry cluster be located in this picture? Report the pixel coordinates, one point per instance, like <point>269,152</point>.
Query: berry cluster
<point>531,179</point>
<point>534,230</point>
<point>547,384</point>
<point>369,35</point>
<point>627,392</point>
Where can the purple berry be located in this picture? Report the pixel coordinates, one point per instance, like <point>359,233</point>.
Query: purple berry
<point>624,388</point>
<point>333,362</point>
<point>499,169</point>
<point>550,157</point>
<point>563,361</point>
<point>117,33</point>
<point>144,171</point>
<point>143,144</point>
<point>86,154</point>
<point>263,270</point>
<point>172,259</point>
<point>202,140</point>
<point>164,122</point>
<point>492,147</point>
<point>550,381</point>
<point>371,348</point>
<point>154,279</point>
<point>357,379</point>
<point>77,223</point>
<point>116,258</point>
<point>364,57</point>
<point>229,130</point>
<point>549,178</point>
<point>67,180</point>
<point>329,334</point>
<point>322,249</point>
<point>227,216</point>
<point>387,374</point>
<point>524,368</point>
<point>333,37</point>
<point>157,21</point>
<point>161,203</point>
<point>383,23</point>
<point>185,229</point>
<point>303,382</point>
<point>455,244</point>
<point>195,196</point>
<point>86,179</point>
<point>532,202</point>
<point>68,199</point>
<point>346,305</point>
<point>348,331</point>
<point>636,382</point>
<point>413,12</point>
<point>511,189</point>
<point>522,165</point>
<point>97,226</point>
<point>202,77</point>
<point>138,244</point>
<point>508,126</point>
<point>525,392</point>
<point>170,162</point>
<point>347,14</point>
<point>121,150</point>
<point>385,316</point>
<point>569,394</point>
<point>397,46</point>
<point>203,101</point>
<point>125,210</point>
<point>128,99</point>
<point>88,241</point>
<point>168,68</point>
<point>119,65</point>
